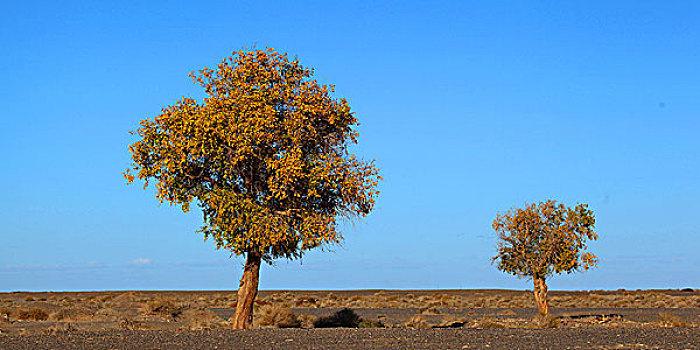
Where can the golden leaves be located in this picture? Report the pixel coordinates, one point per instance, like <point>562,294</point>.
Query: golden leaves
<point>544,238</point>
<point>265,155</point>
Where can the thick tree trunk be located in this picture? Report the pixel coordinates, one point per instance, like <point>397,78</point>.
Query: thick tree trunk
<point>541,296</point>
<point>247,291</point>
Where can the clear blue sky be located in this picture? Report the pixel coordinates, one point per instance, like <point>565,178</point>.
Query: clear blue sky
<point>469,108</point>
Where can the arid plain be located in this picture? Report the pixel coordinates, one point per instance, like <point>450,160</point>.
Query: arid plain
<point>372,319</point>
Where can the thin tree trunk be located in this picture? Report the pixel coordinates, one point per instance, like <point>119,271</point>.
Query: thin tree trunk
<point>541,295</point>
<point>247,291</point>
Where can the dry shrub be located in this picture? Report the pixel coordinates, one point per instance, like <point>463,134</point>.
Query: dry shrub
<point>131,324</point>
<point>222,300</point>
<point>32,314</point>
<point>275,316</point>
<point>667,319</point>
<point>261,302</point>
<point>626,299</point>
<point>164,307</point>
<point>546,321</point>
<point>60,329</point>
<point>305,301</point>
<point>199,319</point>
<point>345,318</point>
<point>72,313</point>
<point>487,322</point>
<point>106,314</point>
<point>29,298</point>
<point>5,313</point>
<point>418,321</point>
<point>508,312</point>
<point>307,321</point>
<point>391,298</point>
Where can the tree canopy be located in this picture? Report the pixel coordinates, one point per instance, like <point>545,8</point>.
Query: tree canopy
<point>544,238</point>
<point>265,155</point>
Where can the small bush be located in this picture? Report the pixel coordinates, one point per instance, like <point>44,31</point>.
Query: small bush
<point>305,301</point>
<point>667,319</point>
<point>60,329</point>
<point>106,314</point>
<point>29,298</point>
<point>275,316</point>
<point>203,319</point>
<point>418,321</point>
<point>486,322</point>
<point>546,321</point>
<point>131,324</point>
<point>164,307</point>
<point>32,314</point>
<point>5,313</point>
<point>72,313</point>
<point>345,318</point>
<point>307,321</point>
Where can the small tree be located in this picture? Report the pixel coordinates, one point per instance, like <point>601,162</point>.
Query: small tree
<point>543,239</point>
<point>265,156</point>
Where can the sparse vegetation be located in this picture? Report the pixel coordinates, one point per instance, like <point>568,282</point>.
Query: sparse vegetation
<point>72,313</point>
<point>131,324</point>
<point>164,307</point>
<point>345,318</point>
<point>32,314</point>
<point>546,321</point>
<point>201,311</point>
<point>307,321</point>
<point>60,329</point>
<point>106,314</point>
<point>667,319</point>
<point>5,313</point>
<point>418,321</point>
<point>487,322</point>
<point>275,316</point>
<point>199,319</point>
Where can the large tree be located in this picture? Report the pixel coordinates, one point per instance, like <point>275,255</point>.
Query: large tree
<point>265,156</point>
<point>542,239</point>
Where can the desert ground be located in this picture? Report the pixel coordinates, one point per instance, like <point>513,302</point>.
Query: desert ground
<point>371,319</point>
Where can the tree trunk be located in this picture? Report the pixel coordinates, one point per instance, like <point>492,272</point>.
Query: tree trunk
<point>247,291</point>
<point>541,296</point>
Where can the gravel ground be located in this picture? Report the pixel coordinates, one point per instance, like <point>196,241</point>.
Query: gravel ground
<point>580,338</point>
<point>400,315</point>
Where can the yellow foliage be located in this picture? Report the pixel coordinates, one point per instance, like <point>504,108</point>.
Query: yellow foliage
<point>265,155</point>
<point>545,238</point>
